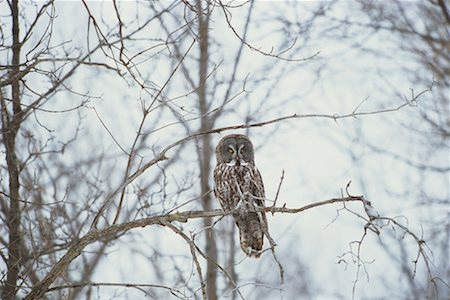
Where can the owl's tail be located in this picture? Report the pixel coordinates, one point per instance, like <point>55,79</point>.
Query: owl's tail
<point>251,234</point>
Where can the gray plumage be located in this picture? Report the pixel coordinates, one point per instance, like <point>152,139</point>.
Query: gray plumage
<point>240,190</point>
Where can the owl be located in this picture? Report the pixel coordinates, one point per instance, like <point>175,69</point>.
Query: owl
<point>240,190</point>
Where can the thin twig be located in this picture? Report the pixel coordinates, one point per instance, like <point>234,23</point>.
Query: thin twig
<point>109,131</point>
<point>278,190</point>
<point>192,247</point>
<point>270,54</point>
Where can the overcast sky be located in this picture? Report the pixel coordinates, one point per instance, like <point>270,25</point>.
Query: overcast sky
<point>319,156</point>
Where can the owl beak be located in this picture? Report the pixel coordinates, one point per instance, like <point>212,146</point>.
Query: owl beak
<point>238,161</point>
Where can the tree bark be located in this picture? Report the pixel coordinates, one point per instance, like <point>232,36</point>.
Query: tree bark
<point>206,152</point>
<point>10,127</point>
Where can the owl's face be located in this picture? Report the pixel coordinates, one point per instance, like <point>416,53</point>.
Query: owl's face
<point>235,150</point>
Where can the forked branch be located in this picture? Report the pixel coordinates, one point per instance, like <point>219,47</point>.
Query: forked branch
<point>76,248</point>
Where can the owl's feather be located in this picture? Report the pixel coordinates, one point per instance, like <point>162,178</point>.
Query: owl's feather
<point>240,191</point>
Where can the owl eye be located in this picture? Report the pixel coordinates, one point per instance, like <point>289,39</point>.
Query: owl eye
<point>230,150</point>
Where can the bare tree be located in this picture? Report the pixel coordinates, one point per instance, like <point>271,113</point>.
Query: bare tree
<point>422,33</point>
<point>415,39</point>
<point>79,177</point>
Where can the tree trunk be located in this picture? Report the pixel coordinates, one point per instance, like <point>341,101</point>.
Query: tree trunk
<point>206,153</point>
<point>10,127</point>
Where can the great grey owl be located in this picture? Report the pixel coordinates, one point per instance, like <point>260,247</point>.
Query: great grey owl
<point>240,190</point>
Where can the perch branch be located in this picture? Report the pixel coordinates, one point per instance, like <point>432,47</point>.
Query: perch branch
<point>76,248</point>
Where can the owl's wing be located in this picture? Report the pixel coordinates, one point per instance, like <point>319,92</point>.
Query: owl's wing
<point>222,189</point>
<point>258,192</point>
<point>215,177</point>
<point>258,187</point>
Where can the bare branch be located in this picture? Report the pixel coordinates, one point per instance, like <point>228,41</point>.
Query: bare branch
<point>271,53</point>
<point>278,190</point>
<point>139,286</point>
<point>192,247</point>
<point>95,235</point>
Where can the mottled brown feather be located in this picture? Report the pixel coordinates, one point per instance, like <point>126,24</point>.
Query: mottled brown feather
<point>240,191</point>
